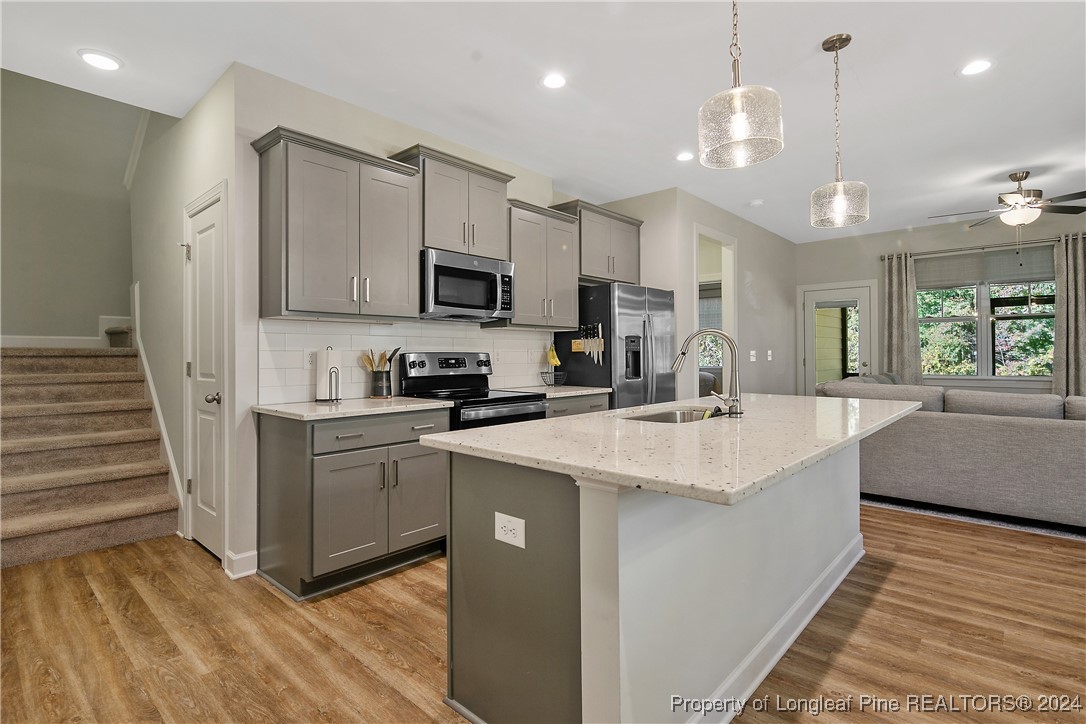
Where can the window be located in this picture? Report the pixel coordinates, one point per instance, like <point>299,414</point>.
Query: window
<point>710,314</point>
<point>1001,330</point>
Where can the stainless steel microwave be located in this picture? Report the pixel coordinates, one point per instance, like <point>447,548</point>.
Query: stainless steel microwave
<point>465,288</point>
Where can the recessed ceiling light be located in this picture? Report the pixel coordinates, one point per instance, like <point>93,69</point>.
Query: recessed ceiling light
<point>554,80</point>
<point>755,203</point>
<point>684,156</point>
<point>100,60</point>
<point>977,66</point>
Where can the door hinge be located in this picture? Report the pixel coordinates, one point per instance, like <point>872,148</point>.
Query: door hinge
<point>188,485</point>
<point>804,361</point>
<point>188,369</point>
<point>188,252</point>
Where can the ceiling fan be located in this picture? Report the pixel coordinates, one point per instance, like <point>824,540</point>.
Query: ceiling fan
<point>1024,206</point>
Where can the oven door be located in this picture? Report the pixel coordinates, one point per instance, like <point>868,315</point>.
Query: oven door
<point>487,415</point>
<point>463,287</point>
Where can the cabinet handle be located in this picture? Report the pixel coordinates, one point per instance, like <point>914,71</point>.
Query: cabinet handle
<point>423,427</point>
<point>346,435</point>
<point>383,478</point>
<point>560,410</point>
<point>395,473</point>
<point>543,305</point>
<point>464,233</point>
<point>354,289</point>
<point>593,407</point>
<point>473,234</point>
<point>552,309</point>
<point>366,290</point>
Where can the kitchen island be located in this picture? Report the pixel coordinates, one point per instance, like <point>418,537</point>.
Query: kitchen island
<point>604,568</point>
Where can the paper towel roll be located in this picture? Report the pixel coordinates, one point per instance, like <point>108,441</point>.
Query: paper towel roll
<point>329,368</point>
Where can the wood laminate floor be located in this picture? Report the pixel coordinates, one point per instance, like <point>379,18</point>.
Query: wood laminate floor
<point>154,631</point>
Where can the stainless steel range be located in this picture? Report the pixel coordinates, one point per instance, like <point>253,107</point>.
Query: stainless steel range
<point>461,377</point>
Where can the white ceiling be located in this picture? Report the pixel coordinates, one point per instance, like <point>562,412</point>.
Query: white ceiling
<point>926,141</point>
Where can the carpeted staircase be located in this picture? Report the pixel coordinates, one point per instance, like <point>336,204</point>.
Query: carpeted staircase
<point>79,458</point>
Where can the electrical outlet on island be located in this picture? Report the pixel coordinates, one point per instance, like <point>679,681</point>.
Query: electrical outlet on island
<point>508,529</point>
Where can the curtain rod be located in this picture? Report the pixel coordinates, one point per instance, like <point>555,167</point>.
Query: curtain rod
<point>966,249</point>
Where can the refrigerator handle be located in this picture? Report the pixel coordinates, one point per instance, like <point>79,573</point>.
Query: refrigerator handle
<point>651,338</point>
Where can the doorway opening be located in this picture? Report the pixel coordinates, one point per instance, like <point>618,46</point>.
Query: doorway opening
<point>837,340</point>
<point>836,331</point>
<point>716,305</point>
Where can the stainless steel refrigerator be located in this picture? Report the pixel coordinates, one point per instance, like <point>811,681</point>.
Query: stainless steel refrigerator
<point>638,330</point>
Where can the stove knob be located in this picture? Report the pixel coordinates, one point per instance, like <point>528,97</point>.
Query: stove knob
<point>480,363</point>
<point>486,363</point>
<point>412,364</point>
<point>422,363</point>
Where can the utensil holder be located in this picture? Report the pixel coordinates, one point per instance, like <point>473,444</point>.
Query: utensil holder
<point>381,386</point>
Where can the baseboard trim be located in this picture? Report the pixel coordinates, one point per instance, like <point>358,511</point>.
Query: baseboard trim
<point>753,669</point>
<point>19,340</point>
<point>239,565</point>
<point>462,710</point>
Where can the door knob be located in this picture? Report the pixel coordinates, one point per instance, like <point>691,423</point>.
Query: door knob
<point>216,398</point>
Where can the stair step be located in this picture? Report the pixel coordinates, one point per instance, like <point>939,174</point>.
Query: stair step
<point>22,390</point>
<point>15,484</point>
<point>67,498</point>
<point>78,516</point>
<point>95,536</point>
<point>22,360</point>
<point>71,418</point>
<point>28,456</point>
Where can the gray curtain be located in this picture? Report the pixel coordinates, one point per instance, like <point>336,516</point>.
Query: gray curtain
<point>1069,361</point>
<point>900,327</point>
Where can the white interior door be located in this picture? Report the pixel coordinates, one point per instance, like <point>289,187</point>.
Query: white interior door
<point>849,303</point>
<point>206,421</point>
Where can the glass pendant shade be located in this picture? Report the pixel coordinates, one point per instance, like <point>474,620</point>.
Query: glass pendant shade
<point>740,127</point>
<point>841,203</point>
<point>1019,216</point>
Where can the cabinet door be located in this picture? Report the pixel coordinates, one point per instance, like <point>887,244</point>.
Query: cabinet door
<point>528,244</point>
<point>562,259</point>
<point>488,232</point>
<point>445,206</point>
<point>322,231</point>
<point>566,406</point>
<point>350,509</point>
<point>389,230</point>
<point>625,252</point>
<point>416,504</point>
<point>595,245</point>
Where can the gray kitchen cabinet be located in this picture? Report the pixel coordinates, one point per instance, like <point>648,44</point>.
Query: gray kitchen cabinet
<point>610,243</point>
<point>543,248</point>
<point>350,504</point>
<point>343,499</point>
<point>463,203</point>
<point>339,230</point>
<point>416,505</point>
<point>566,406</point>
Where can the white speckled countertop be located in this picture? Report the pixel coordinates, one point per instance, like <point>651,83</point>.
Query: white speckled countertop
<point>721,460</point>
<point>562,390</point>
<point>348,408</point>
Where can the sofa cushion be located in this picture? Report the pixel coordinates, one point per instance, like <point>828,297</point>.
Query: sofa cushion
<point>882,379</point>
<point>1074,408</point>
<point>895,379</point>
<point>930,398</point>
<point>1007,404</point>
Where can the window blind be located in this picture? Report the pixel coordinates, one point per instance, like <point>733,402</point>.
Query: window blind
<point>1032,264</point>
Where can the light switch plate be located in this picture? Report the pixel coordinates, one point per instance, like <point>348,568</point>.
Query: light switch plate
<point>508,529</point>
<point>754,355</point>
<point>769,355</point>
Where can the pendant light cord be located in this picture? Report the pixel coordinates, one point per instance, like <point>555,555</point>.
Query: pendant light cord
<point>837,112</point>
<point>735,49</point>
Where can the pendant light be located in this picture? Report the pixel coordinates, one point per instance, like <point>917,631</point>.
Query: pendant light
<point>740,126</point>
<point>841,203</point>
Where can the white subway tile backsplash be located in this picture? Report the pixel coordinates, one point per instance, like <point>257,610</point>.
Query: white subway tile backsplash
<point>511,356</point>
<point>280,358</point>
<point>335,328</point>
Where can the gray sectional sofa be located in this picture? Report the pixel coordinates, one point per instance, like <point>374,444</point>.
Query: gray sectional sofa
<point>1010,454</point>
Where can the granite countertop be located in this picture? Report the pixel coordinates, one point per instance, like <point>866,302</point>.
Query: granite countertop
<point>553,392</point>
<point>349,408</point>
<point>720,460</point>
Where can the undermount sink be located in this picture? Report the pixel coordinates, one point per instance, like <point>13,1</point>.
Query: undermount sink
<point>686,414</point>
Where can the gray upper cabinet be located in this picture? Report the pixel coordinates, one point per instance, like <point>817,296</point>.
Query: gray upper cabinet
<point>350,503</point>
<point>339,230</point>
<point>610,242</point>
<point>416,503</point>
<point>463,203</point>
<point>543,245</point>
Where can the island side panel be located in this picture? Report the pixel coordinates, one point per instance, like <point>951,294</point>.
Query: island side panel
<point>514,613</point>
<point>712,595</point>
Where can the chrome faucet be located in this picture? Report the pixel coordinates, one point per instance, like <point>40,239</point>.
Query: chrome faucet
<point>733,401</point>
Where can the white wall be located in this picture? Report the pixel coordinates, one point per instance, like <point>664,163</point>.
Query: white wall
<point>765,271</point>
<point>66,226</point>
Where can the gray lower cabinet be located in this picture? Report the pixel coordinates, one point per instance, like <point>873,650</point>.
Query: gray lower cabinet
<point>544,248</point>
<point>463,203</point>
<point>339,230</point>
<point>343,499</point>
<point>566,406</point>
<point>610,243</point>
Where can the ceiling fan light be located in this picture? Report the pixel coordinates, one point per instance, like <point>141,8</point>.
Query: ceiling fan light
<point>841,203</point>
<point>1020,216</point>
<point>740,127</point>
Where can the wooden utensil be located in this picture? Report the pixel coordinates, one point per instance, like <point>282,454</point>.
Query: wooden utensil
<point>383,360</point>
<point>367,361</point>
